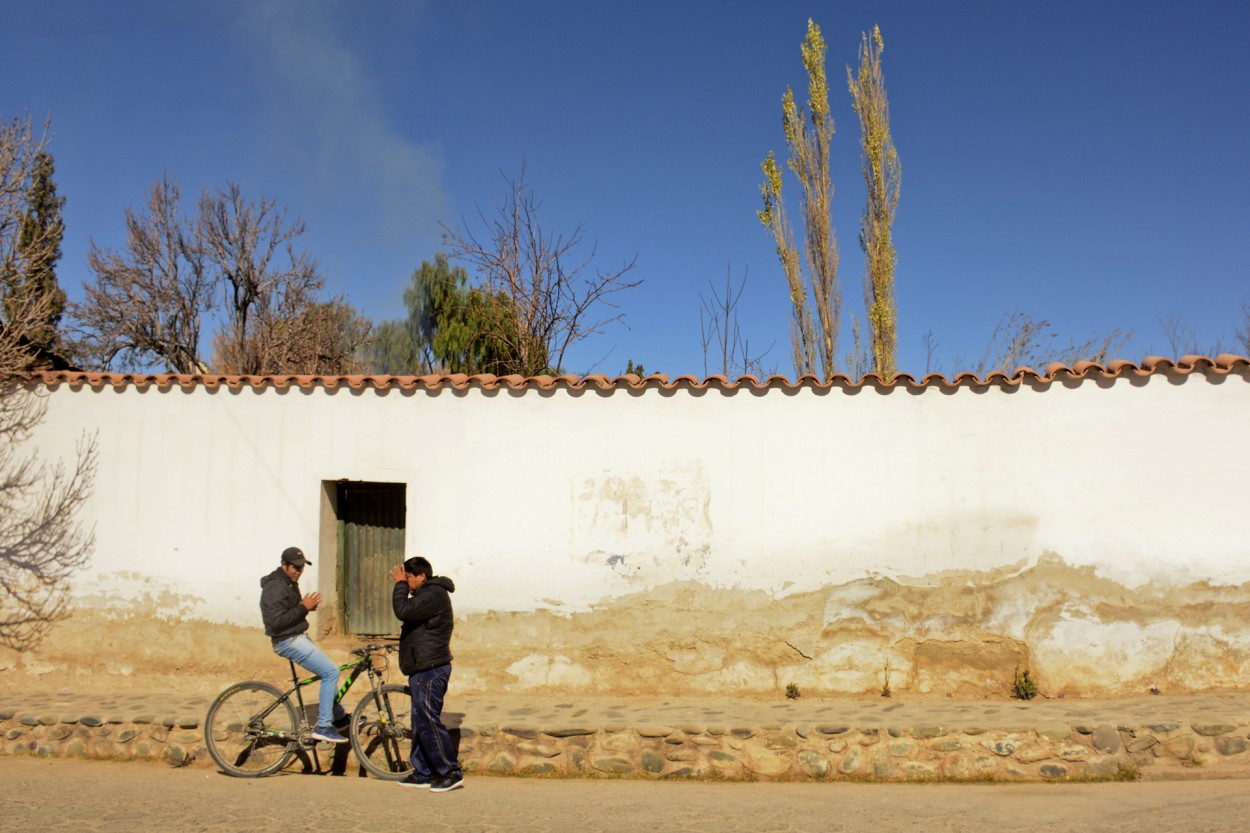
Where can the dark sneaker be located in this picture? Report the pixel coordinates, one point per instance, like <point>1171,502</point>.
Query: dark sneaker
<point>451,782</point>
<point>340,724</point>
<point>327,734</point>
<point>413,781</point>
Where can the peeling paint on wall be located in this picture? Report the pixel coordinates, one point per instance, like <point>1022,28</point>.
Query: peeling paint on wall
<point>644,525</point>
<point>957,633</point>
<point>128,595</point>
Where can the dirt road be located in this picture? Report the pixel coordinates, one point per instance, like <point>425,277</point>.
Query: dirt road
<point>101,797</point>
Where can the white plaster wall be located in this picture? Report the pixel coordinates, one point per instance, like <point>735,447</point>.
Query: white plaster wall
<point>532,500</point>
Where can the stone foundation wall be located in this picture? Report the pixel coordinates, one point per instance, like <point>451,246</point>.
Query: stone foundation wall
<point>144,738</point>
<point>803,751</point>
<point>829,751</point>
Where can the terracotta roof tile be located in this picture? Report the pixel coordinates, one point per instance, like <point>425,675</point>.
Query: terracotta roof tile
<point>1220,366</point>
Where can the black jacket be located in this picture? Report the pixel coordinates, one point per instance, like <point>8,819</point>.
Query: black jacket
<point>281,607</point>
<point>425,639</point>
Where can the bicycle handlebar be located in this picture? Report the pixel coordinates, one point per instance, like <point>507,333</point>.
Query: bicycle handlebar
<point>373,649</point>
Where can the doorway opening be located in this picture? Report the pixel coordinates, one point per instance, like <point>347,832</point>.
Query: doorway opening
<point>370,519</point>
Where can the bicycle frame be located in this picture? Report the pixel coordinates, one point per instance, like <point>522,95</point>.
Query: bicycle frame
<point>357,666</point>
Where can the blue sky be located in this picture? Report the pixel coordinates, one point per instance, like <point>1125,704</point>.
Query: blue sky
<point>1083,162</point>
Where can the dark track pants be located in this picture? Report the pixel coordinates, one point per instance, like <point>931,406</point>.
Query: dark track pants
<point>433,755</point>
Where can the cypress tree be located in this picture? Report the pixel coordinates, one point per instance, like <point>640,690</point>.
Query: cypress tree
<point>31,274</point>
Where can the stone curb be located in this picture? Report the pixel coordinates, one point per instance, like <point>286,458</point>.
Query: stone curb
<point>779,751</point>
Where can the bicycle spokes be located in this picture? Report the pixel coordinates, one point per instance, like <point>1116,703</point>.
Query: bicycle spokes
<point>380,732</point>
<point>250,730</point>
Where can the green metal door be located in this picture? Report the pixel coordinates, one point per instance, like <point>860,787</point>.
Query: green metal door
<point>371,541</point>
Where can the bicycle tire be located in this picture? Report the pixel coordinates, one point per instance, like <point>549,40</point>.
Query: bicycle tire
<point>381,743</point>
<point>243,743</point>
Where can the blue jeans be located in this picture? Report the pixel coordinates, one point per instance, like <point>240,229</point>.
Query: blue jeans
<point>432,756</point>
<point>304,652</point>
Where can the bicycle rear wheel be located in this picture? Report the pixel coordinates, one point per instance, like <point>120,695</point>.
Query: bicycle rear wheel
<point>250,730</point>
<point>381,732</point>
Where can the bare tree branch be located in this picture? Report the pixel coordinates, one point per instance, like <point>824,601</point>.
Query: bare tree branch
<point>304,336</point>
<point>41,543</point>
<point>858,361</point>
<point>264,293</point>
<point>18,352</point>
<point>718,328</point>
<point>1183,342</point>
<point>931,344</point>
<point>540,299</point>
<point>237,259</point>
<point>1098,348</point>
<point>147,303</point>
<point>20,147</point>
<point>1019,340</point>
<point>1243,329</point>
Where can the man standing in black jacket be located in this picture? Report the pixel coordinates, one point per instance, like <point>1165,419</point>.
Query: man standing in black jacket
<point>422,602</point>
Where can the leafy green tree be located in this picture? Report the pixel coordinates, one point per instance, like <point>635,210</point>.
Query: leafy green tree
<point>394,351</point>
<point>31,302</point>
<point>636,369</point>
<point>451,327</point>
<point>463,325</point>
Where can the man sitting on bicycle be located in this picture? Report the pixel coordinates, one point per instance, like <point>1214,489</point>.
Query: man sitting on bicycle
<point>285,614</point>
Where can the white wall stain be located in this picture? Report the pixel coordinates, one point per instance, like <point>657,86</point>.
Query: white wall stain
<point>646,527</point>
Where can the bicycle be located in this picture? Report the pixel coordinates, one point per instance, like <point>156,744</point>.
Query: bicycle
<point>252,729</point>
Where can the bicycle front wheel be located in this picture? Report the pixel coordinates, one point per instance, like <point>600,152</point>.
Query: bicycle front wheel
<point>250,730</point>
<point>381,732</point>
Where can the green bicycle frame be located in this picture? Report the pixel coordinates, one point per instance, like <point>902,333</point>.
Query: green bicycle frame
<point>357,666</point>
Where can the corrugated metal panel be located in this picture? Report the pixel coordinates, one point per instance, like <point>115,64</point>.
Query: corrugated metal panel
<point>372,519</point>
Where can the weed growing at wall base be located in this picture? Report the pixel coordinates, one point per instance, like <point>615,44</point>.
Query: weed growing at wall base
<point>1023,688</point>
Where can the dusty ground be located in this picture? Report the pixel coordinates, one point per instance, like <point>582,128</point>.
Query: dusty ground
<point>124,797</point>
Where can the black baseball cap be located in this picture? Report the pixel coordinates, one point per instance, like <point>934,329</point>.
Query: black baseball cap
<point>295,556</point>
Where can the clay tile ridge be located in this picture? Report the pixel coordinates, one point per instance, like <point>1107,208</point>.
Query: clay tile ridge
<point>1221,365</point>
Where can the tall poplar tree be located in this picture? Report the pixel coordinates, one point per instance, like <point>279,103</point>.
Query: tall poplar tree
<point>809,160</point>
<point>882,173</point>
